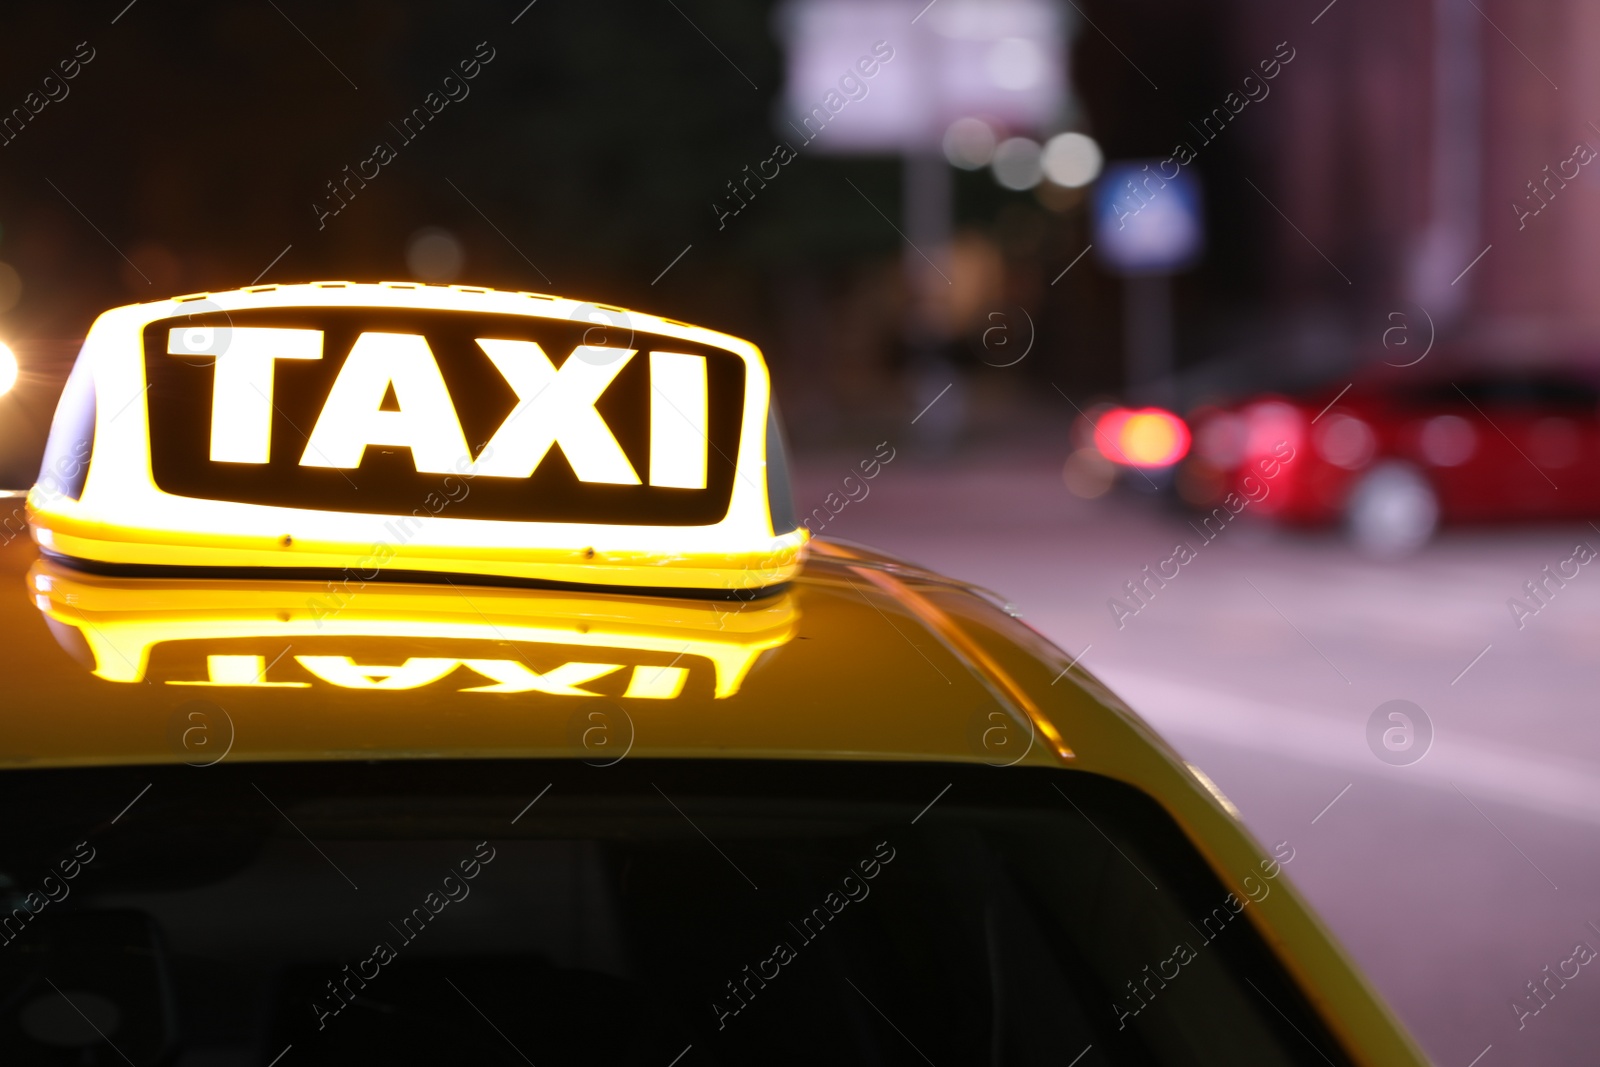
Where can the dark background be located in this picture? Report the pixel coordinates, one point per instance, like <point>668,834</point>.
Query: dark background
<point>192,148</point>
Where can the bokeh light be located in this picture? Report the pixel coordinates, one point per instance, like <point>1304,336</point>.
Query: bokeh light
<point>1346,441</point>
<point>1088,474</point>
<point>435,255</point>
<point>1149,437</point>
<point>969,144</point>
<point>1072,160</point>
<point>1016,164</point>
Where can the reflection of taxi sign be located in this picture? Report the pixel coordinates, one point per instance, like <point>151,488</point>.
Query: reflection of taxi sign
<point>397,636</point>
<point>340,427</point>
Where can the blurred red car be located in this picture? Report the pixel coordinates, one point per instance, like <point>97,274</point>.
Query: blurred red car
<point>1396,452</point>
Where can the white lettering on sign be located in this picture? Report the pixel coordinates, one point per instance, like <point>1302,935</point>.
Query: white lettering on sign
<point>555,407</point>
<point>353,416</point>
<point>678,420</point>
<point>241,388</point>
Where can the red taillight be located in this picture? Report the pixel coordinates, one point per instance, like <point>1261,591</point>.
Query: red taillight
<point>1147,437</point>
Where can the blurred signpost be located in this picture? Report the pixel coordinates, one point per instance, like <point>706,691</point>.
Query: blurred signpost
<point>1147,226</point>
<point>1003,61</point>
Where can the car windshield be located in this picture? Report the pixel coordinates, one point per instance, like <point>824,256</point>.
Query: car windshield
<point>652,912</point>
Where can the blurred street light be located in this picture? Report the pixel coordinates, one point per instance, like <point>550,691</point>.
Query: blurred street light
<point>969,144</point>
<point>1072,160</point>
<point>1016,163</point>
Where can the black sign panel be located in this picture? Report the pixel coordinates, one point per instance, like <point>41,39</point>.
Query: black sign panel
<point>386,480</point>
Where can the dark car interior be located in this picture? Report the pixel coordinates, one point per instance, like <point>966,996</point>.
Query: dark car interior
<point>720,912</point>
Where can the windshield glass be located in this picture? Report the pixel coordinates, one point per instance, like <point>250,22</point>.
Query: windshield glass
<point>511,912</point>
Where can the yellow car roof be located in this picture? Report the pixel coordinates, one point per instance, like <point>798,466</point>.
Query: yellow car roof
<point>860,657</point>
<point>857,659</point>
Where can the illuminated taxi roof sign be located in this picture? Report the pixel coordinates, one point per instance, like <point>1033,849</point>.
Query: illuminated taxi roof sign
<point>397,428</point>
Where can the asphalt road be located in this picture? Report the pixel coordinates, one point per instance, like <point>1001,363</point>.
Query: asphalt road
<point>1455,879</point>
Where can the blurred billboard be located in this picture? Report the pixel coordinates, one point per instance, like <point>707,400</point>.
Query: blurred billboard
<point>923,66</point>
